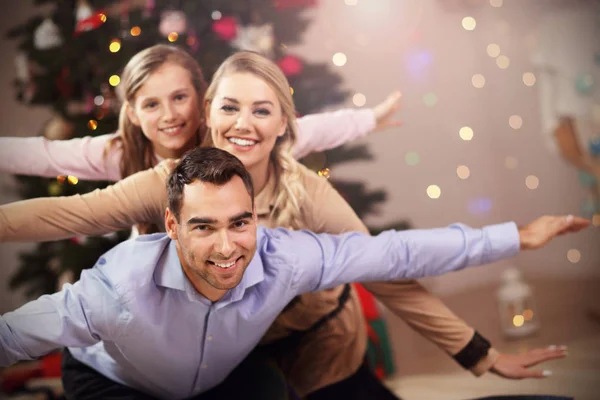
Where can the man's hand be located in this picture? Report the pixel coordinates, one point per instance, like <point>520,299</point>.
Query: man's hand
<point>515,366</point>
<point>384,111</point>
<point>539,232</point>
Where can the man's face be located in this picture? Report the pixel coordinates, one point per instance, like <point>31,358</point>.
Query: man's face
<point>215,234</point>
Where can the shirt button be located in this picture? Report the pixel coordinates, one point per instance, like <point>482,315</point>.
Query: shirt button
<point>209,338</point>
<point>204,366</point>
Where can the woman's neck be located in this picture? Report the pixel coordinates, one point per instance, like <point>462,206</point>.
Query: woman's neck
<point>260,175</point>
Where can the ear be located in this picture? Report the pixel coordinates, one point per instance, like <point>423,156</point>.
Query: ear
<point>207,113</point>
<point>284,122</point>
<point>171,224</point>
<point>132,115</point>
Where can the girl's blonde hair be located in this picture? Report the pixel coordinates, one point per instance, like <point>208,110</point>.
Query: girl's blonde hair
<point>289,188</point>
<point>138,152</point>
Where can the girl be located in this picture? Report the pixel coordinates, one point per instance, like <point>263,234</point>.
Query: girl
<point>320,339</point>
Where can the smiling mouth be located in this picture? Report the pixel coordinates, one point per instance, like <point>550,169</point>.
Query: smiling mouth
<point>172,129</point>
<point>225,265</point>
<point>242,142</point>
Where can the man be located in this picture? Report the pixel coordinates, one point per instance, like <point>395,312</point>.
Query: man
<point>172,315</point>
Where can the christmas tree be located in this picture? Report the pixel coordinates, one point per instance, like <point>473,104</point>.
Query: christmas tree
<point>70,60</point>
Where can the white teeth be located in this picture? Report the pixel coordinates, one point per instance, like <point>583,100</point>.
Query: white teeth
<point>241,142</point>
<point>225,265</point>
<point>172,129</point>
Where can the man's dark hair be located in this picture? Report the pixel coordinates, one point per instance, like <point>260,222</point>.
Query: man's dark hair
<point>209,165</point>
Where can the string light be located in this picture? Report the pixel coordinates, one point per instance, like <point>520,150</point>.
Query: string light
<point>216,15</point>
<point>463,172</point>
<point>532,182</point>
<point>430,99</point>
<point>478,81</point>
<point>339,59</point>
<point>573,255</point>
<point>528,314</point>
<point>518,320</point>
<point>466,133</point>
<point>411,158</point>
<point>70,179</point>
<point>359,99</point>
<point>469,23</point>
<point>115,45</point>
<point>99,100</point>
<point>529,79</point>
<point>493,50</point>
<point>135,31</point>
<point>173,36</point>
<point>434,191</point>
<point>515,122</point>
<point>324,173</point>
<point>291,90</point>
<point>114,80</point>
<point>92,124</point>
<point>503,62</point>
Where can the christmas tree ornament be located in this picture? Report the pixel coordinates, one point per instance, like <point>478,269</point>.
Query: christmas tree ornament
<point>86,19</point>
<point>257,38</point>
<point>58,129</point>
<point>225,28</point>
<point>290,65</point>
<point>172,21</point>
<point>47,35</point>
<point>83,11</point>
<point>518,313</point>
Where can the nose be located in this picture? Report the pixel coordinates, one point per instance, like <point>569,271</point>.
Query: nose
<point>169,113</point>
<point>224,244</point>
<point>242,122</point>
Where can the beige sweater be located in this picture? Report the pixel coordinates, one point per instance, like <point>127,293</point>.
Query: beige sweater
<point>333,352</point>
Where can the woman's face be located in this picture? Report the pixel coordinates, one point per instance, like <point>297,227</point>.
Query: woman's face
<point>245,118</point>
<point>166,109</point>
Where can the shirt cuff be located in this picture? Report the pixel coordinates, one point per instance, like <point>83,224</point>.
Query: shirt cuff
<point>503,241</point>
<point>486,363</point>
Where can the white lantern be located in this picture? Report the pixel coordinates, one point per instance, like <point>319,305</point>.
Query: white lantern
<point>518,313</point>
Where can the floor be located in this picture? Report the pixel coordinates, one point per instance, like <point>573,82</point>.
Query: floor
<point>570,315</point>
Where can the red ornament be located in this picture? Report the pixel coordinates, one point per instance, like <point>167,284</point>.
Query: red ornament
<point>225,28</point>
<point>290,65</point>
<point>286,4</point>
<point>90,23</point>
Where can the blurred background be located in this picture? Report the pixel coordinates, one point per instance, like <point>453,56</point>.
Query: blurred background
<point>484,83</point>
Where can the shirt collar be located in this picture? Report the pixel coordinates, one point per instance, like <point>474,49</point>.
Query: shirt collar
<point>169,273</point>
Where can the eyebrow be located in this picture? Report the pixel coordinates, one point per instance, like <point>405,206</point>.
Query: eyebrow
<point>204,220</point>
<point>176,91</point>
<point>231,99</point>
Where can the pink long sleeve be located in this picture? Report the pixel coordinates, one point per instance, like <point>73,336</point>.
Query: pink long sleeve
<point>324,131</point>
<point>81,157</point>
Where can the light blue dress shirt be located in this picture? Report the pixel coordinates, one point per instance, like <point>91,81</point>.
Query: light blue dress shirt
<point>136,318</point>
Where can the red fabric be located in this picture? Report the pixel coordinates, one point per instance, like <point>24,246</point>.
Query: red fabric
<point>51,365</point>
<point>367,301</point>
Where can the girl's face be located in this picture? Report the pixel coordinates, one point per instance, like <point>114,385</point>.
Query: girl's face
<point>245,118</point>
<point>166,109</point>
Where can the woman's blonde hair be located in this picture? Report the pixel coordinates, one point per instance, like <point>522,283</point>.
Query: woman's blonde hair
<point>138,152</point>
<point>289,188</point>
